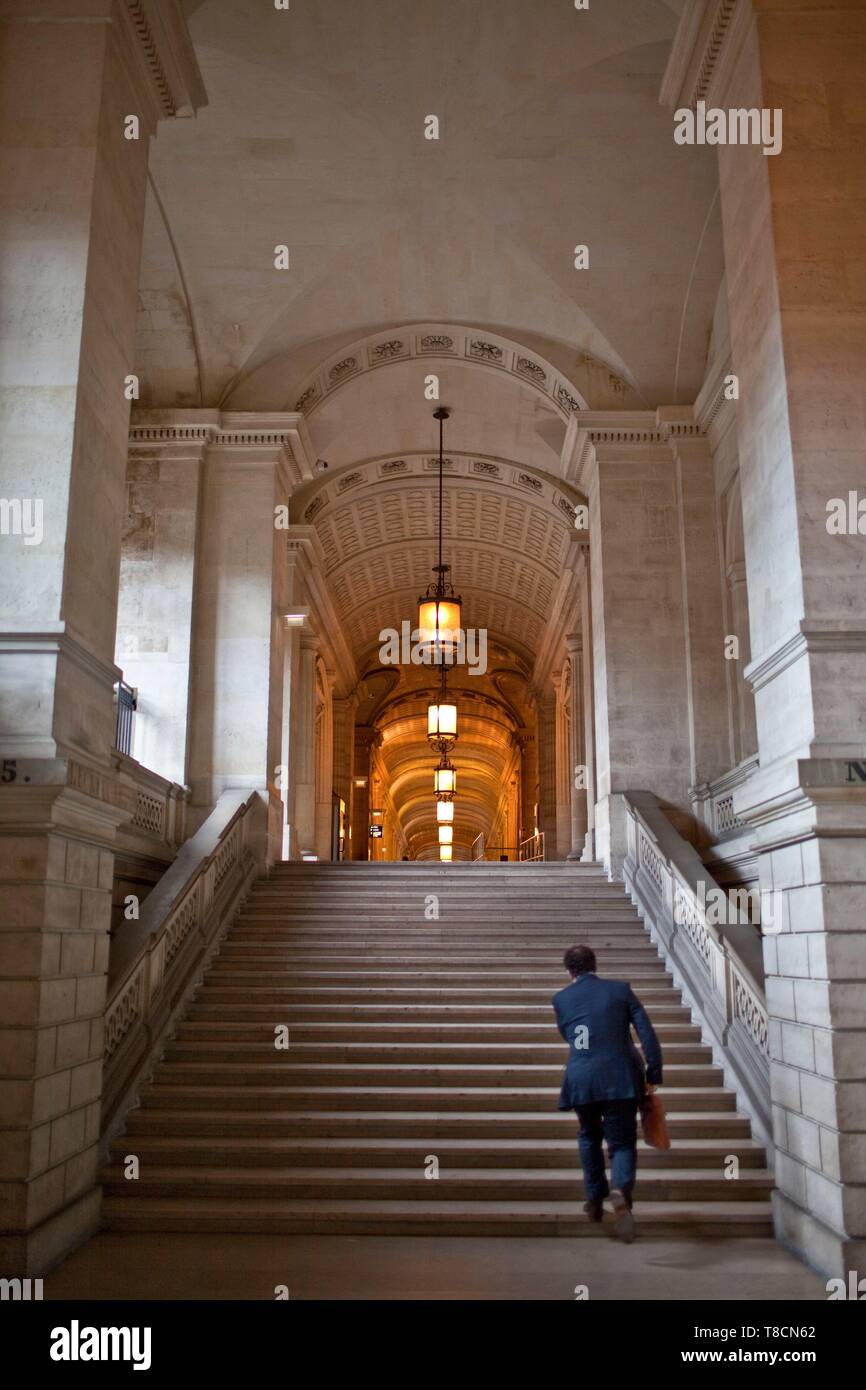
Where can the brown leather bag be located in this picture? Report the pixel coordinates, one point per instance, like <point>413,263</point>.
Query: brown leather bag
<point>653,1120</point>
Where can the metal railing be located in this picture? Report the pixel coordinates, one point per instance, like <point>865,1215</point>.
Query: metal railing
<point>531,849</point>
<point>126,703</point>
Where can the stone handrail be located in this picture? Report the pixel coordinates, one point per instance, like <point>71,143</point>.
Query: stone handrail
<point>160,808</point>
<point>719,967</point>
<point>714,801</point>
<point>157,961</point>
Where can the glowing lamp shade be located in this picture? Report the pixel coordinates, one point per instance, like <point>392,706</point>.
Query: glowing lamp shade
<point>444,811</point>
<point>439,626</point>
<point>446,834</point>
<point>442,722</point>
<point>445,854</point>
<point>445,781</point>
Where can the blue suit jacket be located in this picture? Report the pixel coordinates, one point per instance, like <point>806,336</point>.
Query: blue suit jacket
<point>594,1017</point>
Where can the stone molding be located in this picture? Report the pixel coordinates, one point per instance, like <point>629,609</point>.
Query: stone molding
<point>472,346</point>
<point>806,638</point>
<point>799,797</point>
<point>58,641</point>
<point>420,464</point>
<point>622,432</point>
<point>158,34</point>
<point>86,801</point>
<point>252,434</point>
<point>705,47</point>
<point>304,549</point>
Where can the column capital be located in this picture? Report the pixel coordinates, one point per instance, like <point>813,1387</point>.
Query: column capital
<point>250,436</point>
<point>613,434</point>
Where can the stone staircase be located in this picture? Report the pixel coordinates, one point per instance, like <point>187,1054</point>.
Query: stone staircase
<point>413,1040</point>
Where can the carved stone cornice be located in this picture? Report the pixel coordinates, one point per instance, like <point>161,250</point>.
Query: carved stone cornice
<point>252,434</point>
<point>714,411</point>
<point>429,342</point>
<point>486,472</point>
<point>158,35</point>
<point>599,430</point>
<point>678,422</point>
<point>705,48</point>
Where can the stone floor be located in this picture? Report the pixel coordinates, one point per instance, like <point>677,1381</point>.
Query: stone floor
<point>122,1266</point>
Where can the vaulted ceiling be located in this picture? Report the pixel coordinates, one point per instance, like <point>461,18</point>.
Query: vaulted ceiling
<point>451,258</point>
<point>551,135</point>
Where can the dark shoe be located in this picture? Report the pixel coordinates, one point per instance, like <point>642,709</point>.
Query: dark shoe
<point>623,1226</point>
<point>594,1210</point>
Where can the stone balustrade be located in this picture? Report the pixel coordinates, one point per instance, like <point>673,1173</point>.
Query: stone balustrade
<point>160,812</point>
<point>718,967</point>
<point>713,802</point>
<point>157,961</point>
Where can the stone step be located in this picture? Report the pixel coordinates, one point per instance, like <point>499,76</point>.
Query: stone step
<point>565,928</point>
<point>411,1037</point>
<point>421,937</point>
<point>416,1218</point>
<point>255,954</point>
<point>172,1094</point>
<point>510,1034</point>
<point>243,995</point>
<point>504,870</point>
<point>242,1184</point>
<point>534,901</point>
<point>307,1073</point>
<point>227,972</point>
<point>539,1127</point>
<point>206,1009</point>
<point>356,1051</point>
<point>418,933</point>
<point>266,1151</point>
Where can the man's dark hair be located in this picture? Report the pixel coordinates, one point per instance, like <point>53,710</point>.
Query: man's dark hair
<point>579,960</point>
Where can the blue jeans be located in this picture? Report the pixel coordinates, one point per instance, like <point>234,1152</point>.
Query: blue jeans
<point>616,1122</point>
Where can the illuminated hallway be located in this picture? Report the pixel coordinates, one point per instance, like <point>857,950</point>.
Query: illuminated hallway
<point>249,257</point>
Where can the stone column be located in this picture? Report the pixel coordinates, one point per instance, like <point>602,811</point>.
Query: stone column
<point>365,739</point>
<point>641,691</point>
<point>72,188</point>
<point>746,730</point>
<point>546,736</point>
<point>562,687</point>
<point>344,757</point>
<point>303,738</point>
<point>793,245</point>
<point>324,764</point>
<point>702,596</point>
<point>588,701</point>
<point>240,605</point>
<point>577,751</point>
<point>528,782</point>
<point>157,574</point>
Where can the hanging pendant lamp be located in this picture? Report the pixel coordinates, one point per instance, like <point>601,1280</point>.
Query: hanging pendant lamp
<point>439,610</point>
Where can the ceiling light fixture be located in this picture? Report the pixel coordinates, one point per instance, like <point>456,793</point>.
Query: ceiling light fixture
<point>440,632</point>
